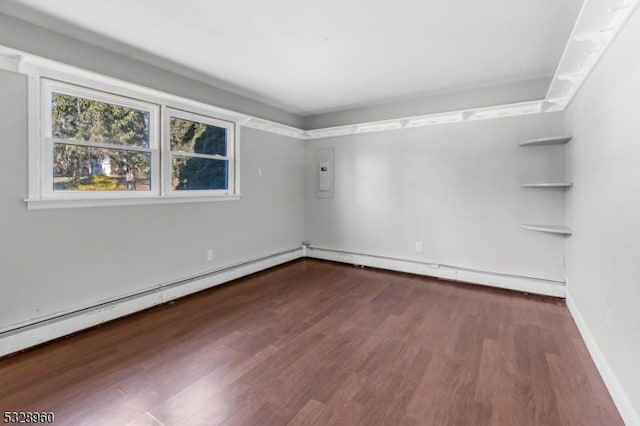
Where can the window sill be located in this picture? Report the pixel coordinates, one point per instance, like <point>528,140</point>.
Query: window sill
<point>66,203</point>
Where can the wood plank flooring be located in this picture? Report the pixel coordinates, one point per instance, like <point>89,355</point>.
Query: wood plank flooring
<point>318,343</point>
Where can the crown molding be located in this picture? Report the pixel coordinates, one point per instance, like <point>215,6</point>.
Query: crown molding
<point>472,114</point>
<point>35,66</point>
<point>598,23</point>
<point>273,127</point>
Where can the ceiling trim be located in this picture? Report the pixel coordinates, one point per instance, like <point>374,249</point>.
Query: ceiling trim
<point>598,23</point>
<point>25,63</point>
<point>450,117</point>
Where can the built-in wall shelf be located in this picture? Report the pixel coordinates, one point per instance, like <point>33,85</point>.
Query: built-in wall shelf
<point>551,229</point>
<point>555,140</point>
<point>548,185</point>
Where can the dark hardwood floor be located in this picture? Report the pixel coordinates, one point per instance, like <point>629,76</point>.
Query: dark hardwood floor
<point>313,342</point>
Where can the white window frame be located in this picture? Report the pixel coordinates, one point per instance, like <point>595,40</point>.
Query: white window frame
<point>47,191</point>
<point>106,89</point>
<point>169,154</point>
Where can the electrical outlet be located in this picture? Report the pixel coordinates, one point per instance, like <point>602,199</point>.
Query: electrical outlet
<point>418,246</point>
<point>209,255</point>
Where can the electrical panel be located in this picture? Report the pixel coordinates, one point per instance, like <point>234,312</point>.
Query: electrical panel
<point>325,170</point>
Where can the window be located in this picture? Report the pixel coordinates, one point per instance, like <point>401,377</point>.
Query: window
<point>96,145</point>
<point>97,142</point>
<point>200,153</point>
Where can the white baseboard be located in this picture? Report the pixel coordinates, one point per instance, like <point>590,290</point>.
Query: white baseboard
<point>492,279</point>
<point>630,416</point>
<point>28,335</point>
<point>25,335</point>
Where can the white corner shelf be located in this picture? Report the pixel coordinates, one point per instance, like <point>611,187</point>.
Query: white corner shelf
<point>551,229</point>
<point>556,140</point>
<point>548,185</point>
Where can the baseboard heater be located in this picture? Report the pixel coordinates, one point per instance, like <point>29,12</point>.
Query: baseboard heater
<point>25,335</point>
<point>454,273</point>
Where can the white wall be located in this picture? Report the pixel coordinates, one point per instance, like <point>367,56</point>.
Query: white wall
<point>603,208</point>
<point>58,260</point>
<point>455,187</point>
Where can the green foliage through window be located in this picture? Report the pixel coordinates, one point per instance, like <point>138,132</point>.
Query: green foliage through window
<point>94,121</point>
<point>191,173</point>
<point>77,167</point>
<point>104,146</point>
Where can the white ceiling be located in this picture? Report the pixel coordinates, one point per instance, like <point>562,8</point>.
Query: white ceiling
<point>317,56</point>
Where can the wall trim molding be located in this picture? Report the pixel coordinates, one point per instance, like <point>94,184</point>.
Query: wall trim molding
<point>448,272</point>
<point>25,335</point>
<point>449,117</point>
<point>35,66</point>
<point>17,337</point>
<point>620,398</point>
<point>596,27</point>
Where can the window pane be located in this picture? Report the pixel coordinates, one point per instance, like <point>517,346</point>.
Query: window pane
<point>191,173</point>
<point>81,168</point>
<point>87,120</point>
<point>199,138</point>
